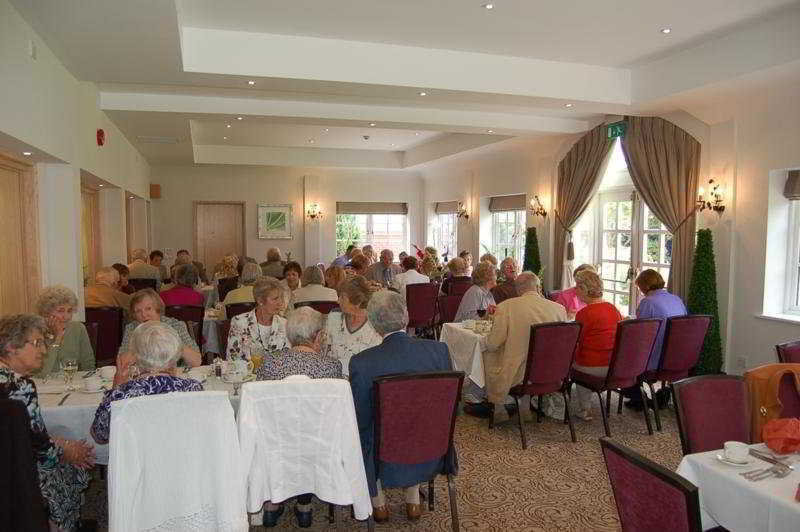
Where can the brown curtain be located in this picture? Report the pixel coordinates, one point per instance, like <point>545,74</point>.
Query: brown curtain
<point>578,179</point>
<point>664,163</point>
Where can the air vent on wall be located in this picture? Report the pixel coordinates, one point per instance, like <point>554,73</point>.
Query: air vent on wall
<point>154,139</point>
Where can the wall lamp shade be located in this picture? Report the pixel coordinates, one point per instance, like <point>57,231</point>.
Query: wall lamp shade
<point>792,189</point>
<point>537,208</point>
<point>462,211</point>
<point>314,211</point>
<point>715,199</point>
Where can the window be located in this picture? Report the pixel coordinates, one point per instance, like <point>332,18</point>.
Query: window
<point>616,235</point>
<point>445,234</point>
<point>382,231</point>
<point>508,234</point>
<point>792,303</point>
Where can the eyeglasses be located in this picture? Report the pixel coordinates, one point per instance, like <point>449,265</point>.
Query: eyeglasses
<point>38,343</point>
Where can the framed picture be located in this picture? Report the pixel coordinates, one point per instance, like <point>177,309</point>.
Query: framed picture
<point>274,221</point>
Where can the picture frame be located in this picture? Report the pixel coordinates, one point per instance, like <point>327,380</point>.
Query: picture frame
<point>274,221</point>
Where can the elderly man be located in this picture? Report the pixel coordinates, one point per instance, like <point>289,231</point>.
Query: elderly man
<point>506,289</point>
<point>104,293</point>
<point>140,269</point>
<point>507,343</point>
<point>312,287</point>
<point>409,276</point>
<point>184,257</point>
<point>383,271</point>
<point>397,353</point>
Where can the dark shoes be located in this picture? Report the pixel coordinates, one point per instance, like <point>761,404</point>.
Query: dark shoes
<point>380,513</point>
<point>304,519</point>
<point>662,398</point>
<point>413,511</point>
<point>482,410</point>
<point>271,517</point>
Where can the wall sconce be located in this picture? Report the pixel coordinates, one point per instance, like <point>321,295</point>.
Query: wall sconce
<point>314,211</point>
<point>716,194</point>
<point>462,211</point>
<point>537,208</point>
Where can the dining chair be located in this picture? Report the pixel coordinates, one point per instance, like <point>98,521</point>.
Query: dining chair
<point>683,341</point>
<point>141,284</point>
<point>193,328</point>
<point>632,346</point>
<point>711,409</point>
<point>189,313</point>
<point>789,396</point>
<point>225,285</point>
<point>458,288</point>
<point>92,328</point>
<point>788,352</point>
<point>551,350</point>
<point>421,304</point>
<point>649,496</point>
<point>404,437</point>
<point>223,329</point>
<point>448,308</point>
<point>109,332</point>
<point>323,307</point>
<point>234,309</point>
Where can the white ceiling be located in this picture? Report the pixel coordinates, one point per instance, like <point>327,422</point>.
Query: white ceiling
<point>610,33</point>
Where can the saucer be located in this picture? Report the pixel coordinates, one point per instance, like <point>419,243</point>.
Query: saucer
<point>724,460</point>
<point>101,390</point>
<point>247,378</point>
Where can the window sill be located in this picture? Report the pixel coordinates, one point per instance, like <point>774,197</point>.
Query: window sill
<point>785,318</point>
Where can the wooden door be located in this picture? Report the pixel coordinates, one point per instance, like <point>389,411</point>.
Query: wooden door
<point>20,279</point>
<point>219,230</point>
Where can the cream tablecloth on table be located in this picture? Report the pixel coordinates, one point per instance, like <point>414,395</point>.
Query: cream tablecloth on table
<point>73,419</point>
<point>727,499</point>
<point>211,343</point>
<point>466,350</point>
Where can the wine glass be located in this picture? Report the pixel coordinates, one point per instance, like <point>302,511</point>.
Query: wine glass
<point>481,313</point>
<point>70,368</point>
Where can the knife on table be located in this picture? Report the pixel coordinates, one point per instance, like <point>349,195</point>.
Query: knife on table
<point>769,459</point>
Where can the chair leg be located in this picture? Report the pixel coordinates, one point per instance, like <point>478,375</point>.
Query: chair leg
<point>568,418</point>
<point>619,402</point>
<point>331,514</point>
<point>608,402</point>
<point>430,495</point>
<point>451,489</point>
<point>539,412</point>
<point>491,416</point>
<point>603,413</point>
<point>655,407</point>
<point>645,410</point>
<point>521,426</point>
<point>370,524</point>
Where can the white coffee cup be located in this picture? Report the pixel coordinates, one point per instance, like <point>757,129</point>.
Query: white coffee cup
<point>92,384</point>
<point>736,451</point>
<point>469,324</point>
<point>107,372</point>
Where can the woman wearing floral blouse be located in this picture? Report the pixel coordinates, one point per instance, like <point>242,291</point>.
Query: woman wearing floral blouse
<point>348,331</point>
<point>61,463</point>
<point>263,328</point>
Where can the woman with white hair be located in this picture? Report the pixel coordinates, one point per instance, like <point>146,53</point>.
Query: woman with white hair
<point>313,287</point>
<point>155,350</point>
<point>251,272</point>
<point>478,300</point>
<point>263,328</point>
<point>66,339</point>
<point>147,306</point>
<point>349,331</point>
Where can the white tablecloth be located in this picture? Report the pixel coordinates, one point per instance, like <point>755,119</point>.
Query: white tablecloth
<point>466,351</point>
<point>73,419</point>
<point>211,343</point>
<point>727,499</point>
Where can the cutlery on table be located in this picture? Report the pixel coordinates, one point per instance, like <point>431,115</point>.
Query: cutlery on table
<point>769,459</point>
<point>63,399</point>
<point>90,373</point>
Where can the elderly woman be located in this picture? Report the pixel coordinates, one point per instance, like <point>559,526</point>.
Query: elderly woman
<point>251,272</point>
<point>60,463</point>
<point>428,267</point>
<point>183,293</point>
<point>569,298</point>
<point>146,306</point>
<point>349,332</point>
<point>273,266</point>
<point>263,328</point>
<point>467,256</point>
<point>228,268</point>
<point>599,319</point>
<point>291,275</point>
<point>334,276</point>
<point>359,265</point>
<point>66,339</point>
<point>313,288</point>
<point>478,300</point>
<point>155,350</point>
<point>124,273</point>
<point>369,253</point>
<point>457,268</point>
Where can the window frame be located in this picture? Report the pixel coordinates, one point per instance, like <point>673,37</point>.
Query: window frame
<point>369,234</point>
<point>792,298</point>
<point>440,239</point>
<point>518,241</point>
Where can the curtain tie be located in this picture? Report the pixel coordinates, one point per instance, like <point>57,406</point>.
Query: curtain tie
<point>558,217</point>
<point>693,211</point>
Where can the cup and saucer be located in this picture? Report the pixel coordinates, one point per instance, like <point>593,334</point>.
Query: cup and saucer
<point>735,453</point>
<point>468,324</point>
<point>93,384</point>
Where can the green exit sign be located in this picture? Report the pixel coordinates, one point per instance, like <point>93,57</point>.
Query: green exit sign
<point>617,129</point>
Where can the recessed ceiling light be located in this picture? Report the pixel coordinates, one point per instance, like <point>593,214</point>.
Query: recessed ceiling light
<point>131,197</point>
<point>666,31</point>
<point>239,118</point>
<point>416,133</point>
<point>488,6</point>
<point>490,130</point>
<point>372,124</point>
<point>311,141</point>
<point>224,138</point>
<point>392,144</point>
<point>227,125</point>
<point>568,105</point>
<point>27,153</point>
<point>423,93</point>
<point>100,185</point>
<point>251,82</point>
<point>326,130</point>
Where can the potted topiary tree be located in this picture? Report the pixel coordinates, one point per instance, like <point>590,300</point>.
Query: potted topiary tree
<point>703,300</point>
<point>533,261</point>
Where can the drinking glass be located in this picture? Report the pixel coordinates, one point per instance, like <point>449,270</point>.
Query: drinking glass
<point>70,368</point>
<point>481,313</point>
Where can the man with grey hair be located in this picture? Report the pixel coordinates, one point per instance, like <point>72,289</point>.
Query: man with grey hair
<point>104,292</point>
<point>507,343</point>
<point>397,353</point>
<point>140,269</point>
<point>384,270</point>
<point>312,287</point>
<point>506,289</point>
<point>305,330</point>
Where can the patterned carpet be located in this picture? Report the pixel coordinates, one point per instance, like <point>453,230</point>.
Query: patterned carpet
<point>553,485</point>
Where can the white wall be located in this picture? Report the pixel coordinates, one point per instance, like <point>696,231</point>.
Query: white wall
<point>181,186</point>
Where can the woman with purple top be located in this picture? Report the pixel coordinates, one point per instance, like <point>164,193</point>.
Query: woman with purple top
<point>657,303</point>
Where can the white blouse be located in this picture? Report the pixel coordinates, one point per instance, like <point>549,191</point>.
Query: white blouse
<point>342,344</point>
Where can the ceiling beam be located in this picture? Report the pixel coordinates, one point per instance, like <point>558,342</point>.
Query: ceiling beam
<point>312,157</point>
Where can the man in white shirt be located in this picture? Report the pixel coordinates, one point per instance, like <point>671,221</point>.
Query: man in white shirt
<point>409,276</point>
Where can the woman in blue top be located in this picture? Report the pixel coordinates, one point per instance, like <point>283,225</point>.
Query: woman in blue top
<point>657,303</point>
